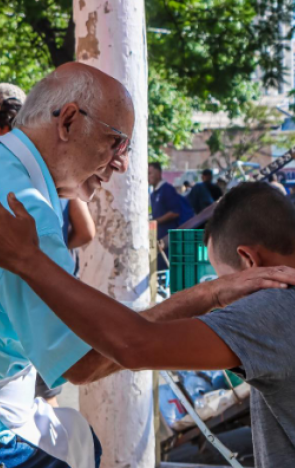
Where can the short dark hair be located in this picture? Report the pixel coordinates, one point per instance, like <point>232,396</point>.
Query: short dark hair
<point>207,173</point>
<point>156,165</point>
<point>253,213</point>
<point>186,183</point>
<point>8,111</point>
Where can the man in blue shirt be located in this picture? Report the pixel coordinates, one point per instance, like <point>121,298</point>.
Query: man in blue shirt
<point>204,193</point>
<point>67,139</point>
<point>166,207</point>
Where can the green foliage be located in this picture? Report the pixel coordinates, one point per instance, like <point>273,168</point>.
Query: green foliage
<point>22,60</point>
<point>35,36</point>
<point>214,46</point>
<point>208,50</point>
<point>170,117</point>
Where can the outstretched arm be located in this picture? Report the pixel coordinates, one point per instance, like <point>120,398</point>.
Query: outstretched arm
<point>122,335</point>
<point>114,330</point>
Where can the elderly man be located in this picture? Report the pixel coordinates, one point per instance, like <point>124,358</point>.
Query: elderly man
<point>78,226</point>
<point>71,134</point>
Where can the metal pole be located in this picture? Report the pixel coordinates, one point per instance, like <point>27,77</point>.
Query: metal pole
<point>110,35</point>
<point>225,452</point>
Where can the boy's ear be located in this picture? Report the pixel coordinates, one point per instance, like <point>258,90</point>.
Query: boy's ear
<point>249,256</point>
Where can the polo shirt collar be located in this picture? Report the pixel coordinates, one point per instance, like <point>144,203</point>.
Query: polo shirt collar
<point>160,184</point>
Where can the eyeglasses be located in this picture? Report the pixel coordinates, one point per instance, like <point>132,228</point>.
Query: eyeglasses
<point>120,147</point>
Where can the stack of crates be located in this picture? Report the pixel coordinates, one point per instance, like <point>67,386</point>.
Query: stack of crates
<point>188,255</point>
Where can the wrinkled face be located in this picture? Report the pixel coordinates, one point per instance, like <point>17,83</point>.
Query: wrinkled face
<point>154,176</point>
<point>220,267</point>
<point>90,159</point>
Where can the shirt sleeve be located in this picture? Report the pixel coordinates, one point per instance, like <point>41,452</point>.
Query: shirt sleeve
<point>47,342</point>
<point>258,329</point>
<point>171,199</point>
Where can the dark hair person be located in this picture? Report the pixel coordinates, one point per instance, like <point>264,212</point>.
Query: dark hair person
<point>267,218</point>
<point>11,101</point>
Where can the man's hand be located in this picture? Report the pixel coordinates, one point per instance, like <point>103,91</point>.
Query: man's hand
<point>19,242</point>
<point>18,236</point>
<point>230,288</point>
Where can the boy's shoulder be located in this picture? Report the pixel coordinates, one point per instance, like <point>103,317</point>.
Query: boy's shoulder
<point>271,296</point>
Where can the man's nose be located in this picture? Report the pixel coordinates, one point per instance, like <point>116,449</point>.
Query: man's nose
<point>125,162</point>
<point>120,164</point>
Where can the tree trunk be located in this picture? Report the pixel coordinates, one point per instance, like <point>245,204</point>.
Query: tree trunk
<point>110,35</point>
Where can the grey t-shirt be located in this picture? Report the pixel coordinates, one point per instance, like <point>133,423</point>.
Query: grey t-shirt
<point>260,329</point>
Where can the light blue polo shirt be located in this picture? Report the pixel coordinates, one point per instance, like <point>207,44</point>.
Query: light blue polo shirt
<point>29,331</point>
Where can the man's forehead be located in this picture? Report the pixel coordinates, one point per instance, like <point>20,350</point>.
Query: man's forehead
<point>117,111</point>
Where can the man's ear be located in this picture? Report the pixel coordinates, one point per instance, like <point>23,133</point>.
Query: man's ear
<point>68,114</point>
<point>249,256</point>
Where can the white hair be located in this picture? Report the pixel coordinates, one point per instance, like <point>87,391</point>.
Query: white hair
<point>53,92</point>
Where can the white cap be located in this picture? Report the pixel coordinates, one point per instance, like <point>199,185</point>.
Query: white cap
<point>8,90</point>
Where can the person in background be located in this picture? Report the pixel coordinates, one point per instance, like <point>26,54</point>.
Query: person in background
<point>273,180</point>
<point>11,101</point>
<point>165,203</point>
<point>204,193</point>
<point>78,229</point>
<point>81,225</point>
<point>186,188</point>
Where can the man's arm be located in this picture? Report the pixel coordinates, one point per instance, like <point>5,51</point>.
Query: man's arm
<point>92,367</point>
<point>167,217</point>
<point>192,302</point>
<point>108,326</point>
<point>126,339</point>
<point>123,335</point>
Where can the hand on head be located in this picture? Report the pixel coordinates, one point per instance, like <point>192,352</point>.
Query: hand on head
<point>230,288</point>
<point>19,241</point>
